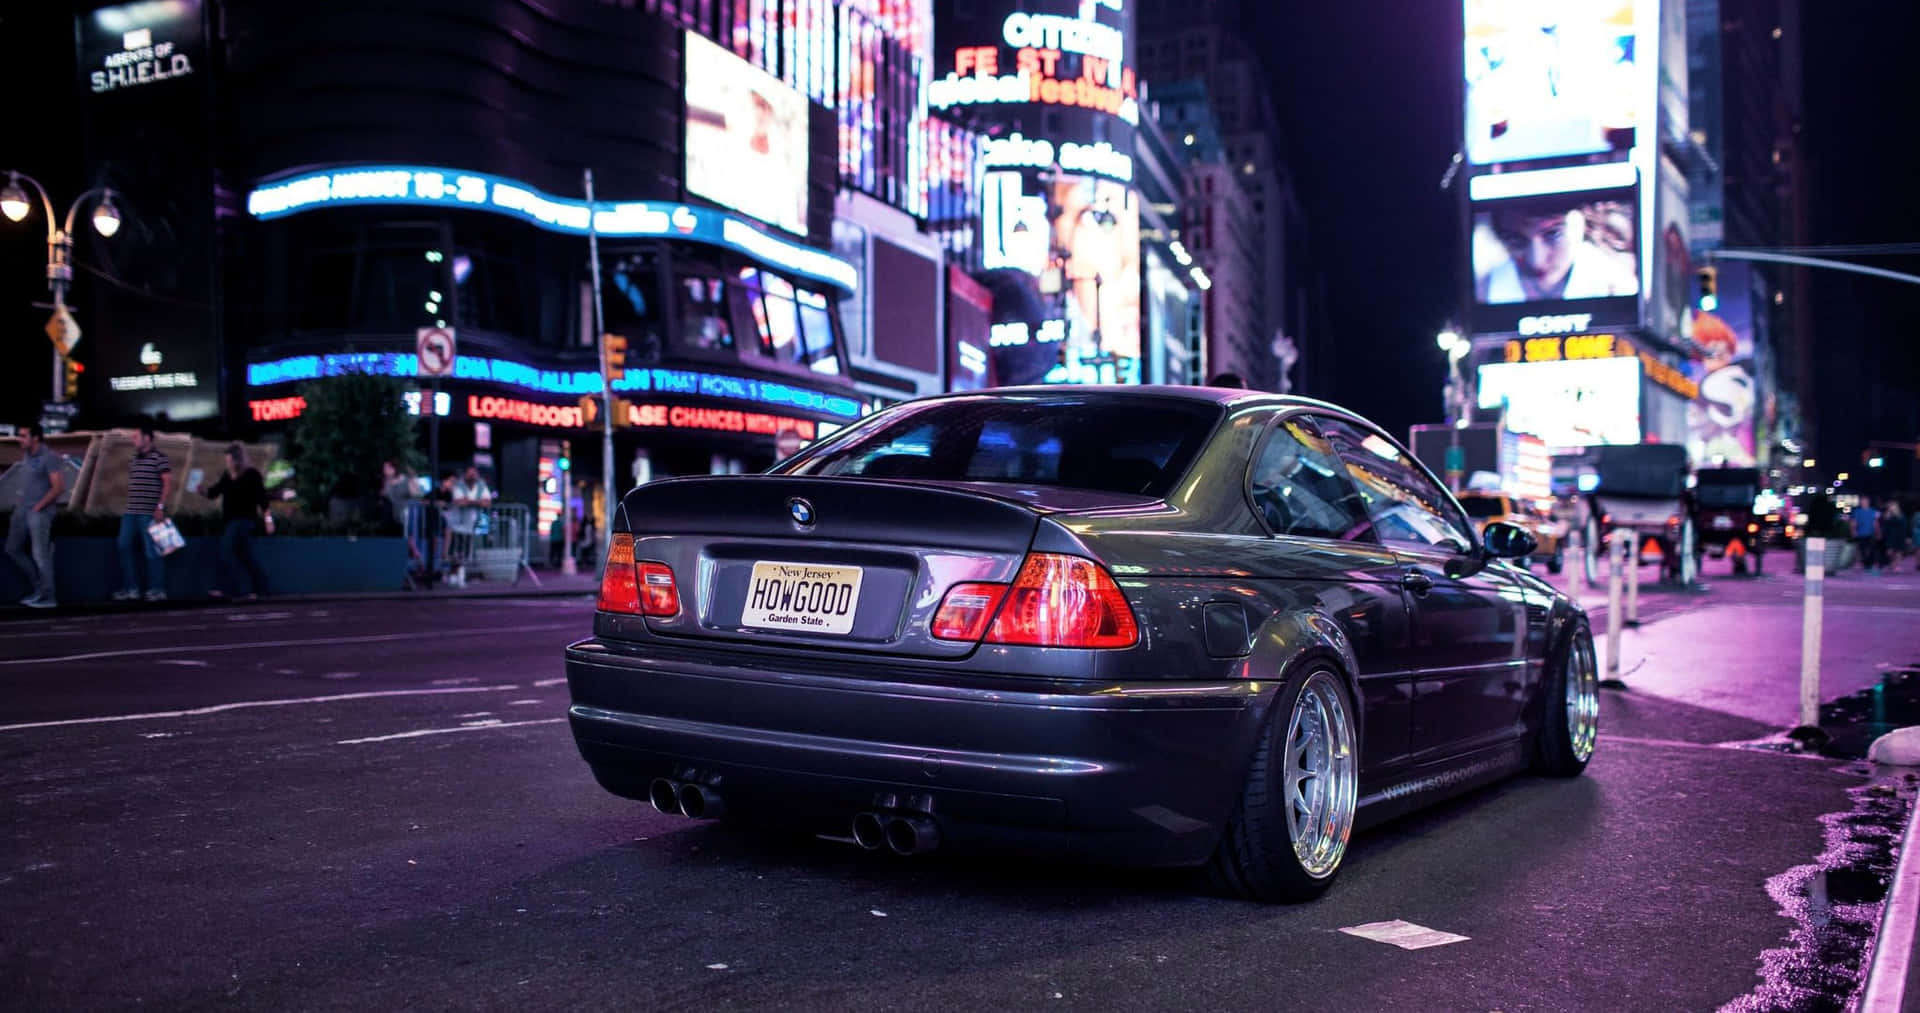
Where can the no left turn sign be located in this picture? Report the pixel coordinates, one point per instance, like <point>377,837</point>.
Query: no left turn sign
<point>433,350</point>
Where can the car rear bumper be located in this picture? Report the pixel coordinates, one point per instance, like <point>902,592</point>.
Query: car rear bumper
<point>1136,772</point>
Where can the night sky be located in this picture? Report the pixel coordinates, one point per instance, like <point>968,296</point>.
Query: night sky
<point>1366,92</point>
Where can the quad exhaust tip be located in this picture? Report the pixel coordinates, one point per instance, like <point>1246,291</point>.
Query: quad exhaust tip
<point>899,833</point>
<point>697,801</point>
<point>684,798</point>
<point>869,831</point>
<point>912,835</point>
<point>665,796</point>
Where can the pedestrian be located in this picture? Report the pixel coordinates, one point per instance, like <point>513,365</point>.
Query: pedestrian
<point>243,502</point>
<point>471,496</point>
<point>149,481</point>
<point>397,487</point>
<point>1866,533</point>
<point>1895,532</point>
<point>33,516</point>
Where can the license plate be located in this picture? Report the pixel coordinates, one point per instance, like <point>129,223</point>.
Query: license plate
<point>1723,524</point>
<point>802,597</point>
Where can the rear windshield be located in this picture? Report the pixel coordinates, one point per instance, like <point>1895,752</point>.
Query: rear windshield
<point>1126,445</point>
<point>1483,506</point>
<point>1726,496</point>
<point>1649,470</point>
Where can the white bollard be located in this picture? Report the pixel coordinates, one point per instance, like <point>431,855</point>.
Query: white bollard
<point>1633,578</point>
<point>1617,561</point>
<point>1810,617</point>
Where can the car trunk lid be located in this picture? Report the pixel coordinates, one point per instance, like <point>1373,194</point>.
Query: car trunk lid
<point>836,564</point>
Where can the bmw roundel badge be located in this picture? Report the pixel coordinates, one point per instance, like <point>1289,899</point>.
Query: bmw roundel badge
<point>801,511</point>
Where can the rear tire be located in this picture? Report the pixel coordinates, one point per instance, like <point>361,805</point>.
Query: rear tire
<point>1570,726</point>
<point>1289,830</point>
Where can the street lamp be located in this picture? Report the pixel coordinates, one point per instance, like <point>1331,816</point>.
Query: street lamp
<point>16,205</point>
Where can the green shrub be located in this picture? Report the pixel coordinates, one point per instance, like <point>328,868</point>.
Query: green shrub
<point>352,424</point>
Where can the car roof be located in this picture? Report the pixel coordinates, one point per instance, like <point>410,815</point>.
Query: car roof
<point>1224,396</point>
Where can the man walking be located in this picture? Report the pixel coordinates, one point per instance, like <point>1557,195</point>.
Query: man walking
<point>33,517</point>
<point>149,480</point>
<point>1866,533</point>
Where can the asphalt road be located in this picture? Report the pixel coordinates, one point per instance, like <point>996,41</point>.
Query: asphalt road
<point>378,805</point>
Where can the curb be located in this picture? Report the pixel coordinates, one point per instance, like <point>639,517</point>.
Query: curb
<point>1893,947</point>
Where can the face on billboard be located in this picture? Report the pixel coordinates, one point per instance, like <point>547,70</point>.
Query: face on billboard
<point>746,137</point>
<point>1558,248</point>
<point>1574,403</point>
<point>1550,78</point>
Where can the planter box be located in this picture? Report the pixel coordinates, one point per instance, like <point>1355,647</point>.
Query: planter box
<point>1839,555</point>
<point>88,569</point>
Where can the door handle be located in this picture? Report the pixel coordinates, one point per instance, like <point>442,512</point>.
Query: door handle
<point>1417,582</point>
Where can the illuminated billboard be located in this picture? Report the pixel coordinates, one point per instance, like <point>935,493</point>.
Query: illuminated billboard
<point>1552,79</point>
<point>1058,74</point>
<point>1072,244</point>
<point>746,137</point>
<point>1568,404</point>
<point>1720,420</point>
<point>1573,258</point>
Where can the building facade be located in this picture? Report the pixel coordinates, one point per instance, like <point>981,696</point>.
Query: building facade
<point>359,188</point>
<point>1749,191</point>
<point>1206,42</point>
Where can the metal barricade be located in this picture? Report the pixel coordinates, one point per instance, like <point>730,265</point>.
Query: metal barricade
<point>491,543</point>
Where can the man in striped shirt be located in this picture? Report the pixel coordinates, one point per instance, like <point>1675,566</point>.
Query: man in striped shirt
<point>149,480</point>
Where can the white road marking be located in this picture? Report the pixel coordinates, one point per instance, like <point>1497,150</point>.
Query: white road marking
<point>340,675</point>
<point>248,704</point>
<point>543,683</point>
<point>1405,935</point>
<point>183,662</point>
<point>258,617</point>
<point>452,682</point>
<point>323,642</point>
<point>484,726</point>
<point>525,703</point>
<point>475,714</point>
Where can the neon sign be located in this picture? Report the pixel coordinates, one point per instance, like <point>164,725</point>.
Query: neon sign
<point>717,420</point>
<point>1040,41</point>
<point>549,381</point>
<point>526,412</point>
<point>277,409</point>
<point>421,186</point>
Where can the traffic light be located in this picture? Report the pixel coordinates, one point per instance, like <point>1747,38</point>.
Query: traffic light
<point>613,356</point>
<point>72,374</point>
<point>1709,289</point>
<point>589,408</point>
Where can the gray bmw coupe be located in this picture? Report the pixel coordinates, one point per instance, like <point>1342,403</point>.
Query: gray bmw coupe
<point>1174,626</point>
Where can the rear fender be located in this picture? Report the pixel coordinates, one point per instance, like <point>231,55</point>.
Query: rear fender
<point>1288,646</point>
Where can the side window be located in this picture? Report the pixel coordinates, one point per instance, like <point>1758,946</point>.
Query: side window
<point>1300,487</point>
<point>1406,507</point>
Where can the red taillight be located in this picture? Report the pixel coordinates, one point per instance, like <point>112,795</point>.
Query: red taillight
<point>644,588</point>
<point>1064,601</point>
<point>659,598</point>
<point>619,581</point>
<point>966,610</point>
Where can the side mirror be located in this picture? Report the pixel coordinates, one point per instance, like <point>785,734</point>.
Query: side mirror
<point>1508,541</point>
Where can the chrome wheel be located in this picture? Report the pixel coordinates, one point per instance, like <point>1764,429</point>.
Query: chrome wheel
<point>1321,775</point>
<point>1583,698</point>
